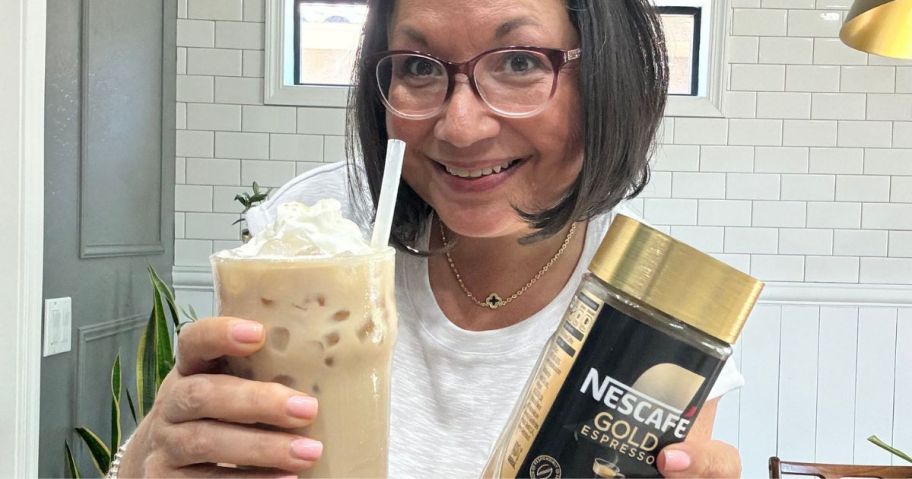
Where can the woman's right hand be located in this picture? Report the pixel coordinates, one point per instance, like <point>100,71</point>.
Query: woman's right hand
<point>202,418</point>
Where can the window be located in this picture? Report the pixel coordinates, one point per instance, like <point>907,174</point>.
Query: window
<point>695,34</point>
<point>323,33</point>
<point>326,40</point>
<point>682,38</point>
<point>311,44</point>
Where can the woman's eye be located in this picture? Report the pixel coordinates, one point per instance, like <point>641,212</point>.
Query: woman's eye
<point>420,67</point>
<point>519,62</point>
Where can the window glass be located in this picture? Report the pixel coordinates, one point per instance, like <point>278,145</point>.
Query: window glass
<point>327,35</point>
<point>682,38</point>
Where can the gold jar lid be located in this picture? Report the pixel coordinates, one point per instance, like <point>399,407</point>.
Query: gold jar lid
<point>675,278</point>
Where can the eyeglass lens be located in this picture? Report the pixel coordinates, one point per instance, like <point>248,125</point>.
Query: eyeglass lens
<point>513,82</point>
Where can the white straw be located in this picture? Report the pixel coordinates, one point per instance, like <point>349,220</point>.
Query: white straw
<point>389,189</point>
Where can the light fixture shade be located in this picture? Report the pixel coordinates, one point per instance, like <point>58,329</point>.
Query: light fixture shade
<point>882,27</point>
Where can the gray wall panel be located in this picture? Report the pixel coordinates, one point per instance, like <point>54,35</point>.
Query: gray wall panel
<point>121,168</point>
<point>109,200</point>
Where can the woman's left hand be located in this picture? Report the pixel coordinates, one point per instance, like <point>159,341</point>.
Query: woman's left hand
<point>700,458</point>
<point>699,455</point>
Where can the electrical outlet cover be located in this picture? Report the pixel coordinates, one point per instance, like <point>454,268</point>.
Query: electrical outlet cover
<point>58,324</point>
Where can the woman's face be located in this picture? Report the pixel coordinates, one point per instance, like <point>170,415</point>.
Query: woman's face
<point>469,136</point>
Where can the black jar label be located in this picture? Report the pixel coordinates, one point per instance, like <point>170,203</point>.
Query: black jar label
<point>608,394</point>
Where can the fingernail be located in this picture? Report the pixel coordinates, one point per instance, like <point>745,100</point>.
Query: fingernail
<point>307,449</point>
<point>247,332</point>
<point>676,461</point>
<point>302,406</point>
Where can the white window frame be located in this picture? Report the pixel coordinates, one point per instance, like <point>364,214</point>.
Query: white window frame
<point>280,88</point>
<point>713,68</point>
<point>279,82</point>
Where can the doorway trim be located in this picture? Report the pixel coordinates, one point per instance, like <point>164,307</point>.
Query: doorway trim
<point>23,89</point>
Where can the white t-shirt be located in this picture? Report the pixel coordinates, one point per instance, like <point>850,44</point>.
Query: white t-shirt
<point>452,389</point>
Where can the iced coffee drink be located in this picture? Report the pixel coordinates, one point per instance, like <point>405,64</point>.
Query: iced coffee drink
<point>327,301</point>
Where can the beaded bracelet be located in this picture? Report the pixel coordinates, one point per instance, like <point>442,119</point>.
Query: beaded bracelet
<point>115,461</point>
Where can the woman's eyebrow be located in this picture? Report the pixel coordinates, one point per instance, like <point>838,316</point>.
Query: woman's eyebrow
<point>505,28</point>
<point>412,34</point>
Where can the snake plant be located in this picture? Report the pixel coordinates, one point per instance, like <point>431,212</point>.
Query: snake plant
<point>154,358</point>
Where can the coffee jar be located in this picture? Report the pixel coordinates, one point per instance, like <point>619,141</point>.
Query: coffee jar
<point>631,363</point>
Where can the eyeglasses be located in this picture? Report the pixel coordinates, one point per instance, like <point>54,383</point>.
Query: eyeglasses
<point>515,82</point>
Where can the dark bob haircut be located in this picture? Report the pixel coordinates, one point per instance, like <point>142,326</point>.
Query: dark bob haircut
<point>623,81</point>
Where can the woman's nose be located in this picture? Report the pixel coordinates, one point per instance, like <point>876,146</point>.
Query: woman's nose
<point>466,120</point>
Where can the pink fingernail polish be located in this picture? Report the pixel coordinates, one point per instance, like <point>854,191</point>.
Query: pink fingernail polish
<point>307,449</point>
<point>302,406</point>
<point>247,332</point>
<point>676,461</point>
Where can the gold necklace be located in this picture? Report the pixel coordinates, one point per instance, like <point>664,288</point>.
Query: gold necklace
<point>494,301</point>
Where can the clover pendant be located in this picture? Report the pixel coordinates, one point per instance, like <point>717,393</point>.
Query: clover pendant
<point>494,301</point>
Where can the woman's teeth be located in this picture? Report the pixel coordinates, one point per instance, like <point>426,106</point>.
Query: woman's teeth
<point>479,173</point>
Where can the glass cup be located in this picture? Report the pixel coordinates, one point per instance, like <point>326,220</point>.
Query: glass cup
<point>330,329</point>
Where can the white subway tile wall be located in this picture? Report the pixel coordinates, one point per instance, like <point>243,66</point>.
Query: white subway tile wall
<point>846,161</point>
<point>738,159</point>
<point>808,177</point>
<point>904,79</point>
<point>838,106</point>
<point>740,104</point>
<point>781,160</point>
<point>831,51</point>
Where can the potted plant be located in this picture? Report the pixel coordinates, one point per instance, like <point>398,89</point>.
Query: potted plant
<point>154,359</point>
<point>249,200</point>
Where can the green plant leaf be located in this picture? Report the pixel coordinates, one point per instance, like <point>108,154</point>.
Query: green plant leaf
<point>101,455</point>
<point>163,353</point>
<point>249,201</point>
<point>115,403</point>
<point>155,356</point>
<point>71,463</point>
<point>165,293</point>
<point>880,443</point>
<point>145,368</point>
<point>132,407</point>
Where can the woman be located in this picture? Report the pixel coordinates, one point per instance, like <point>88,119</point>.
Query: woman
<point>516,159</point>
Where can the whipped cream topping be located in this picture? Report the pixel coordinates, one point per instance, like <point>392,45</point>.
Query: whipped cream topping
<point>304,231</point>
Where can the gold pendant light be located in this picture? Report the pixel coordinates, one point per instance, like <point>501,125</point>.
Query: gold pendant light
<point>882,27</point>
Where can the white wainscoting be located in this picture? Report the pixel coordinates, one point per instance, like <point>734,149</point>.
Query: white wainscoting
<point>826,366</point>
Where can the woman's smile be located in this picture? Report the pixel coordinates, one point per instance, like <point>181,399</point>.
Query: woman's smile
<point>480,178</point>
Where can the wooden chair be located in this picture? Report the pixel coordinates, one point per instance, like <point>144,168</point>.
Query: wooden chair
<point>778,467</point>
